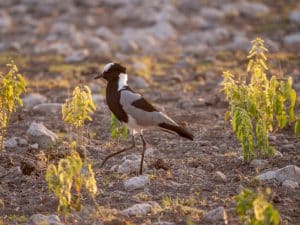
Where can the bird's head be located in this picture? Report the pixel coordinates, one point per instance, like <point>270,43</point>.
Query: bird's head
<point>111,71</point>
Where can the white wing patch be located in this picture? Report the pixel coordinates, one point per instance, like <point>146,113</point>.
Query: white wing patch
<point>107,67</point>
<point>122,81</point>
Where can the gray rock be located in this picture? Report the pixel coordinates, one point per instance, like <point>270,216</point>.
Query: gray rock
<point>136,182</point>
<point>39,219</point>
<point>292,40</point>
<point>130,164</point>
<point>211,13</point>
<point>290,184</point>
<point>253,9</point>
<point>137,210</point>
<point>11,143</point>
<point>5,21</point>
<point>105,34</point>
<point>48,108</point>
<point>162,31</point>
<point>294,16</point>
<point>259,163</point>
<point>289,172</point>
<point>219,176</point>
<point>139,82</point>
<point>77,56</point>
<point>39,134</point>
<point>34,146</point>
<point>33,99</point>
<point>99,101</point>
<point>163,223</point>
<point>215,215</point>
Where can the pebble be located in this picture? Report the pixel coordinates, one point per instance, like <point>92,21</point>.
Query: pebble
<point>289,172</point>
<point>33,99</point>
<point>136,182</point>
<point>259,163</point>
<point>219,176</point>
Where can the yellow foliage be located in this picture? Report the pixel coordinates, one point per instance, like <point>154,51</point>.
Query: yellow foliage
<point>79,107</point>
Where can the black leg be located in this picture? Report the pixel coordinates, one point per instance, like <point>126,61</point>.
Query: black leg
<point>119,152</point>
<point>143,154</point>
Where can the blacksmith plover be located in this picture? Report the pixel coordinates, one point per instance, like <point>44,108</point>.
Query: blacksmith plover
<point>134,110</point>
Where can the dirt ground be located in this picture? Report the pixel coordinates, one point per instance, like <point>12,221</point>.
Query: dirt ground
<point>186,87</point>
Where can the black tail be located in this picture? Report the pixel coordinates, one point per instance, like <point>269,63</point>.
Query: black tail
<point>179,130</point>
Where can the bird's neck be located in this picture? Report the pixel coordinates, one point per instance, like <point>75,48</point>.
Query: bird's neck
<point>122,81</point>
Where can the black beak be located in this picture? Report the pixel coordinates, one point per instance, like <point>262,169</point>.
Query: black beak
<point>98,76</point>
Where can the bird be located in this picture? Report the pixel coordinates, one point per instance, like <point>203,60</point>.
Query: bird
<point>132,109</point>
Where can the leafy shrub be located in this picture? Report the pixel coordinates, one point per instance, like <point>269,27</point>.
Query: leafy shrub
<point>254,209</point>
<point>12,86</point>
<point>78,109</point>
<point>71,173</point>
<point>117,130</point>
<point>258,105</point>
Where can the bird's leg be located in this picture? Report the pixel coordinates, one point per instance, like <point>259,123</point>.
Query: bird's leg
<point>119,152</point>
<point>143,154</point>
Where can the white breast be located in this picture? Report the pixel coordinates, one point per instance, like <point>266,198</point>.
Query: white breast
<point>122,81</point>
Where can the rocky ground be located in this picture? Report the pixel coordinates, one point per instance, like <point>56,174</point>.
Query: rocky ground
<point>175,52</point>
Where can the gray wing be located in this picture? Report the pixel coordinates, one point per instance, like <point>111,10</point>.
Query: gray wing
<point>142,111</point>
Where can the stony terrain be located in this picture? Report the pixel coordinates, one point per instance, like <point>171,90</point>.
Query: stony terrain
<point>175,52</point>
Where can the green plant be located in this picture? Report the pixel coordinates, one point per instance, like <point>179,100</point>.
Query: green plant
<point>117,129</point>
<point>254,209</point>
<point>77,109</point>
<point>71,174</point>
<point>257,104</point>
<point>12,86</point>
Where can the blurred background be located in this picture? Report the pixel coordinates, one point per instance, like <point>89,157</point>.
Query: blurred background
<point>114,29</point>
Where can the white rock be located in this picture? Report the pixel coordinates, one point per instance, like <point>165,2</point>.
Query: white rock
<point>48,108</point>
<point>33,99</point>
<point>292,40</point>
<point>215,215</point>
<point>290,184</point>
<point>137,210</point>
<point>11,143</point>
<point>136,182</point>
<point>294,16</point>
<point>289,172</point>
<point>77,56</point>
<point>259,163</point>
<point>39,134</point>
<point>39,219</point>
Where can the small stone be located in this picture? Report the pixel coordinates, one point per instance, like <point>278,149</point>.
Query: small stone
<point>48,108</point>
<point>294,16</point>
<point>33,99</point>
<point>39,219</point>
<point>219,176</point>
<point>11,143</point>
<point>290,184</point>
<point>136,183</point>
<point>77,56</point>
<point>137,210</point>
<point>259,163</point>
<point>215,215</point>
<point>38,133</point>
<point>292,40</point>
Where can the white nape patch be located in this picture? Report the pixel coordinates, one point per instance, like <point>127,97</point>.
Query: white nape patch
<point>122,81</point>
<point>107,67</point>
